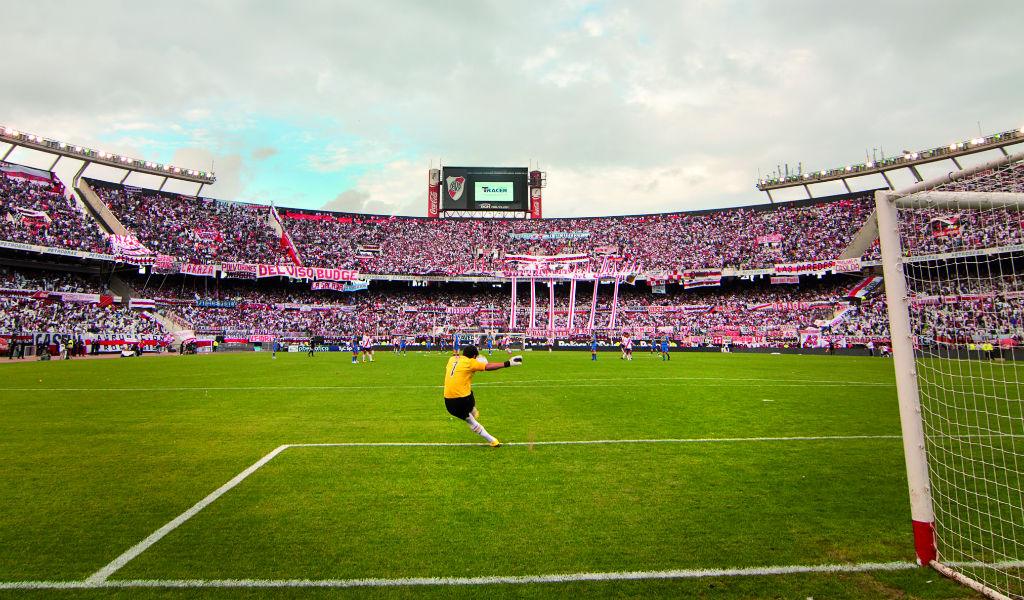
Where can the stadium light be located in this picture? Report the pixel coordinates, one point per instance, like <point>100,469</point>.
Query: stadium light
<point>907,159</point>
<point>37,142</point>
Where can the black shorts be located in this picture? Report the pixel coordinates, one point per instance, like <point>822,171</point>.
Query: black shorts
<point>460,407</point>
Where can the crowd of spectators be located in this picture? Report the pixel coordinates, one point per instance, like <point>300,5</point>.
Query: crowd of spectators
<point>745,238</point>
<point>53,281</point>
<point>391,309</point>
<point>198,230</point>
<point>115,321</point>
<point>195,230</point>
<point>34,212</point>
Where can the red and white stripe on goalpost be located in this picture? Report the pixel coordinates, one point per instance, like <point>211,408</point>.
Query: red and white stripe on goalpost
<point>921,512</point>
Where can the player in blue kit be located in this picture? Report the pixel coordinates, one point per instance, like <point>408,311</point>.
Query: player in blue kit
<point>664,349</point>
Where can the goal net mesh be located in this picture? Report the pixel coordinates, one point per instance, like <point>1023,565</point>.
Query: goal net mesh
<point>963,261</point>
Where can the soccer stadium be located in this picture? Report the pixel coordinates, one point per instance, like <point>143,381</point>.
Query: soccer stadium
<point>693,416</point>
<point>511,300</point>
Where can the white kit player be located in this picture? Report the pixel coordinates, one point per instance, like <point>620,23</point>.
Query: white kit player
<point>627,347</point>
<point>367,345</point>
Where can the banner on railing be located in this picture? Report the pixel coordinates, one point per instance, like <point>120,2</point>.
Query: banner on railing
<point>805,268</point>
<point>350,286</point>
<point>847,265</point>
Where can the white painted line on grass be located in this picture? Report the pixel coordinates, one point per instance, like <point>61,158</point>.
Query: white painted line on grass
<point>453,581</point>
<point>101,575</point>
<point>597,442</point>
<point>589,382</point>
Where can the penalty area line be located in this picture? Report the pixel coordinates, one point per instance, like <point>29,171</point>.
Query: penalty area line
<point>100,577</point>
<point>455,581</point>
<point>597,442</point>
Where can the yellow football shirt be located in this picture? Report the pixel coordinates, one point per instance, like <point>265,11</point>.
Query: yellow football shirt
<point>458,375</point>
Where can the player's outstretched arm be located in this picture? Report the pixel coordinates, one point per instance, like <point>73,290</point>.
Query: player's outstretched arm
<point>515,361</point>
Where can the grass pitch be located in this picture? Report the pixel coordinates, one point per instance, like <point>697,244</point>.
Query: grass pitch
<point>734,467</point>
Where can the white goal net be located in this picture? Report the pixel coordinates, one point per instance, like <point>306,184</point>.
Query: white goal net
<point>961,254</point>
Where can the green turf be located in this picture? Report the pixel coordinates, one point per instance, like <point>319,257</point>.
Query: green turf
<point>97,455</point>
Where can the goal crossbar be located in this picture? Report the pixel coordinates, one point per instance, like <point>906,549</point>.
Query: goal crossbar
<point>961,200</point>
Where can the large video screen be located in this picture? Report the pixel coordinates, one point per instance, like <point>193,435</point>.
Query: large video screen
<point>484,188</point>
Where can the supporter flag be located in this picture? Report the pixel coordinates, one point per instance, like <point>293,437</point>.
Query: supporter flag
<point>945,226</point>
<point>207,235</point>
<point>865,287</point>
<point>701,278</point>
<point>287,244</point>
<point>142,303</point>
<point>130,249</point>
<point>29,217</point>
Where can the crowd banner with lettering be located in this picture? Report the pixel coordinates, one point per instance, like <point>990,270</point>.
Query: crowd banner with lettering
<point>198,270</point>
<point>297,272</point>
<point>790,305</point>
<point>785,279</point>
<point>351,286</point>
<point>773,238</point>
<point>695,278</point>
<point>460,310</point>
<point>128,245</point>
<point>553,235</point>
<point>243,270</point>
<point>805,268</point>
<point>847,265</point>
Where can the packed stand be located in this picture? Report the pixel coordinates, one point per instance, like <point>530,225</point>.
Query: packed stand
<point>194,230</point>
<point>744,238</point>
<point>37,213</point>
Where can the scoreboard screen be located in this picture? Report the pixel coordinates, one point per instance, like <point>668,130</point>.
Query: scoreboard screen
<point>484,188</point>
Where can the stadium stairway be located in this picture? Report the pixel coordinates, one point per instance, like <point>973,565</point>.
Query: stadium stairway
<point>179,328</point>
<point>98,209</point>
<point>866,236</point>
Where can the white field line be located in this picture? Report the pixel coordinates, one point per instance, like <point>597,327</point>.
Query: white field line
<point>452,581</point>
<point>490,580</point>
<point>597,442</point>
<point>101,576</point>
<point>589,382</point>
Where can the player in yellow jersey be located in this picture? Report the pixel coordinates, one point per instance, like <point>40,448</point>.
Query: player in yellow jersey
<point>458,394</point>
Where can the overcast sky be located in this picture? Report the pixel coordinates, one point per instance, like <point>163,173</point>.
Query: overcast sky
<point>629,107</point>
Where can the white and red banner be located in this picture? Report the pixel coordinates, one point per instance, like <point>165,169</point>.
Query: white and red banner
<point>207,235</point>
<point>297,272</point>
<point>27,173</point>
<point>142,303</point>
<point>287,245</point>
<point>352,286</point>
<point>27,216</point>
<point>945,226</point>
<point>865,287</point>
<point>245,270</point>
<point>805,268</point>
<point>199,270</point>
<point>773,238</point>
<point>460,310</point>
<point>695,278</point>
<point>790,305</point>
<point>847,265</point>
<point>129,246</point>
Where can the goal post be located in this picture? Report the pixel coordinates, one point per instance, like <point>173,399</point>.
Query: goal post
<point>953,263</point>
